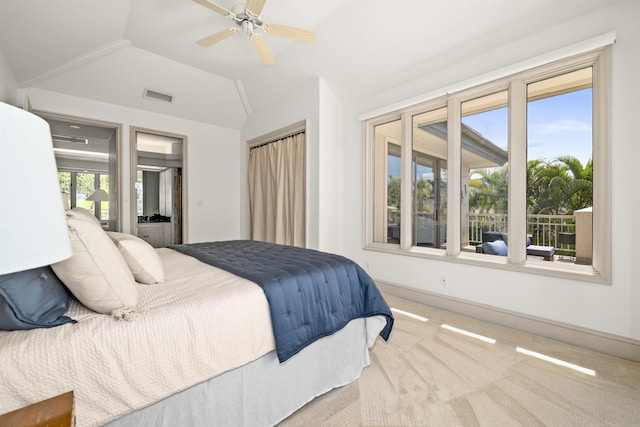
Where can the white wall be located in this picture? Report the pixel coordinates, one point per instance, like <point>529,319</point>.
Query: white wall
<point>211,162</point>
<point>613,309</point>
<point>331,166</point>
<point>8,89</point>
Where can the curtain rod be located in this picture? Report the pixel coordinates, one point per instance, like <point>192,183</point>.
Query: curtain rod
<point>278,139</point>
<point>277,134</point>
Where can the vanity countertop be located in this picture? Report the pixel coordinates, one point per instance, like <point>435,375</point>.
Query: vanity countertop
<point>153,219</point>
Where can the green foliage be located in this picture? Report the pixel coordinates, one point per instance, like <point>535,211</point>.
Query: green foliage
<point>423,195</point>
<point>489,194</point>
<point>557,187</point>
<point>393,192</point>
<point>64,178</point>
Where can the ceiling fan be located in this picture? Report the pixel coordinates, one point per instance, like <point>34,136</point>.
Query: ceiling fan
<point>248,18</point>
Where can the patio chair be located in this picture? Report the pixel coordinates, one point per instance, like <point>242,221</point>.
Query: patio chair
<point>496,243</point>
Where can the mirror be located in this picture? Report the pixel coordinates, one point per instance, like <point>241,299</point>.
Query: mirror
<point>158,188</point>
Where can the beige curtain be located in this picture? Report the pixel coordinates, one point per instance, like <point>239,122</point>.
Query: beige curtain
<point>277,191</point>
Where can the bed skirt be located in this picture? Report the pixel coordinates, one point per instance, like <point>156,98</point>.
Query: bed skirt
<point>265,392</point>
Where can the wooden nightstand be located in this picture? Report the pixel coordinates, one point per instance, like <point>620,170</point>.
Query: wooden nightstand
<point>54,412</point>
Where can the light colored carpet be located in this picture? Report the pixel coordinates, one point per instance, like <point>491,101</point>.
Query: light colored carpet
<point>429,376</point>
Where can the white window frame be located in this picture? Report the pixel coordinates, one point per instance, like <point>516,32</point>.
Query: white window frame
<point>600,269</point>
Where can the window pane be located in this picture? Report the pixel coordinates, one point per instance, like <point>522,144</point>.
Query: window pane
<point>429,179</point>
<point>387,183</point>
<point>484,171</point>
<point>559,165</point>
<point>85,185</point>
<point>139,192</point>
<point>86,157</point>
<point>104,205</point>
<point>64,179</point>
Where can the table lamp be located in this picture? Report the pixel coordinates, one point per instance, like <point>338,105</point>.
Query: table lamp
<point>97,197</point>
<point>33,228</point>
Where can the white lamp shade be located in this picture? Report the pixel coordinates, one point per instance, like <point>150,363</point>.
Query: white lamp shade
<point>33,229</point>
<point>98,196</point>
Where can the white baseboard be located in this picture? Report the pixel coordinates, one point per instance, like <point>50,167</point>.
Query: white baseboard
<point>613,345</point>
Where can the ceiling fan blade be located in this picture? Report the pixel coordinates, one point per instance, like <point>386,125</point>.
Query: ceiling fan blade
<point>217,37</point>
<point>215,7</point>
<point>291,32</point>
<point>255,6</point>
<point>263,50</point>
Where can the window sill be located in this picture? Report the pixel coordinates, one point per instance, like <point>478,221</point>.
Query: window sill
<point>558,269</point>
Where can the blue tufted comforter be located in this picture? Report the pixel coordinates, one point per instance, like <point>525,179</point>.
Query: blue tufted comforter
<point>311,294</point>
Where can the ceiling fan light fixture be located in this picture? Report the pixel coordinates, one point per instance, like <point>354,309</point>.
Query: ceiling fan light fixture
<point>249,17</point>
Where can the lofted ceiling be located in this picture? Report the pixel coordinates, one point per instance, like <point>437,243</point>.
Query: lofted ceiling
<point>112,50</point>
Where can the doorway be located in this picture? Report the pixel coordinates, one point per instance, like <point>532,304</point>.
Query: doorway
<point>158,187</point>
<point>87,159</point>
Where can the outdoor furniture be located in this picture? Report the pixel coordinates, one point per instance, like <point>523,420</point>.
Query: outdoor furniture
<point>566,238</point>
<point>544,251</point>
<point>488,246</point>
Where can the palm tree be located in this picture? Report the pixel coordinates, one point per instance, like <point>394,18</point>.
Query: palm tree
<point>489,194</point>
<point>559,187</point>
<point>579,191</point>
<point>423,191</point>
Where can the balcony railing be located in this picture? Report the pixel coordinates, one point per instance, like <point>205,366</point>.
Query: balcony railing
<point>544,230</point>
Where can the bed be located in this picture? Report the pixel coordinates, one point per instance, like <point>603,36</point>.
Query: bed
<point>197,348</point>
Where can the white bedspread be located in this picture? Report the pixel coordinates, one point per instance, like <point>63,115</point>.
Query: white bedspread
<point>200,323</point>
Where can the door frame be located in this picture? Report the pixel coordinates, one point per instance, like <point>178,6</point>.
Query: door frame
<point>133,131</point>
<point>120,170</point>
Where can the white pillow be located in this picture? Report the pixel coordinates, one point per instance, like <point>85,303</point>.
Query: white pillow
<point>82,213</point>
<point>142,259</point>
<point>96,273</point>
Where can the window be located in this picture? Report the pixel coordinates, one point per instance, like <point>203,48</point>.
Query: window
<point>484,136</point>
<point>79,186</point>
<point>528,155</point>
<point>429,179</point>
<point>387,182</point>
<point>560,164</point>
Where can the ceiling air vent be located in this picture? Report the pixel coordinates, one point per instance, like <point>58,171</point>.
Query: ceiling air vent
<point>158,96</point>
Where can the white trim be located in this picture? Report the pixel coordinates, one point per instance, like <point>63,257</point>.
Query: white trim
<point>406,185</point>
<point>558,54</point>
<point>243,97</point>
<point>517,154</point>
<point>602,244</point>
<point>454,160</point>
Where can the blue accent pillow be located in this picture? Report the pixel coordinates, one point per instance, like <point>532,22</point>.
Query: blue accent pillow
<point>497,247</point>
<point>32,299</point>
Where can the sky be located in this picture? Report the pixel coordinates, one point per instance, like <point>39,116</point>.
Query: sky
<point>556,126</point>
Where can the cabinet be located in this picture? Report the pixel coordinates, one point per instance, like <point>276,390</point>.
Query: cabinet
<point>157,234</point>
